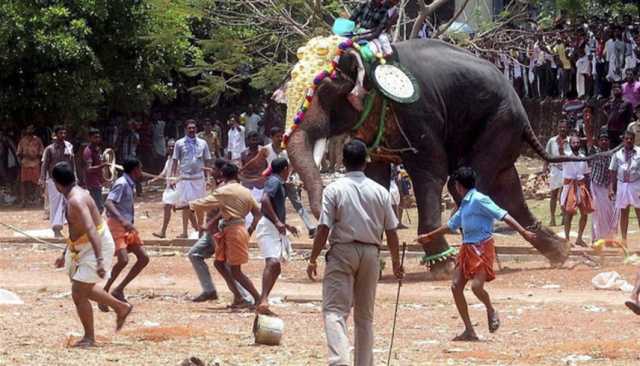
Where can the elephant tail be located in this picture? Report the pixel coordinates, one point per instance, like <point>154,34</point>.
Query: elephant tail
<point>535,144</point>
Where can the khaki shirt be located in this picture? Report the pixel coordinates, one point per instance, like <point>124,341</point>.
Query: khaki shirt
<point>357,209</point>
<point>233,200</point>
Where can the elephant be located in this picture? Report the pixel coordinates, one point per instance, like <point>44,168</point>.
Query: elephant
<point>467,114</point>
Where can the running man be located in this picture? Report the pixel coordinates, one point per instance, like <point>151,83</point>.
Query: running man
<point>120,215</point>
<point>88,254</point>
<point>235,202</point>
<point>271,232</point>
<point>475,215</point>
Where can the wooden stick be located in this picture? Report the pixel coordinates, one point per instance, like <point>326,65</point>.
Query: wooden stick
<point>395,314</point>
<point>20,231</point>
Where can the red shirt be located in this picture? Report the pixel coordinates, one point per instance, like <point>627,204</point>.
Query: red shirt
<point>92,157</point>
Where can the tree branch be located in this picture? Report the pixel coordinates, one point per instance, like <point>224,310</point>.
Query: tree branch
<point>425,11</point>
<point>453,19</point>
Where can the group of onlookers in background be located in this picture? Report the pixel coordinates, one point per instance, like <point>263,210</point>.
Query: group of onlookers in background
<point>608,186</point>
<point>582,59</point>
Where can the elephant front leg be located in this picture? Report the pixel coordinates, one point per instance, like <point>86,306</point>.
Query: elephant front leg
<point>428,191</point>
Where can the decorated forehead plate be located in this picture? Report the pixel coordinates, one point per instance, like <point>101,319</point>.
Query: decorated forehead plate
<point>396,83</point>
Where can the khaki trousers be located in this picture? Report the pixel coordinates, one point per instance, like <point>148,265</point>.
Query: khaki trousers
<point>350,280</point>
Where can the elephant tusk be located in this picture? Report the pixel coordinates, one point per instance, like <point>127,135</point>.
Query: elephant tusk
<point>318,151</point>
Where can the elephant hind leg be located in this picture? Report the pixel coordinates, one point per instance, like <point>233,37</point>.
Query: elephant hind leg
<point>507,193</point>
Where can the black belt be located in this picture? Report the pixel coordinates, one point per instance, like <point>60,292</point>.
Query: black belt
<point>358,242</point>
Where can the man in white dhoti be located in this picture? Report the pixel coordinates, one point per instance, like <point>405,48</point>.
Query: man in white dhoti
<point>557,145</point>
<point>625,171</point>
<point>604,221</point>
<point>190,155</point>
<point>59,150</point>
<point>614,54</point>
<point>271,232</point>
<point>89,253</point>
<point>575,194</point>
<point>584,75</point>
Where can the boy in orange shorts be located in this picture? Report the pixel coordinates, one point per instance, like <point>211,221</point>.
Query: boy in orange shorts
<point>475,215</point>
<point>119,206</point>
<point>232,241</point>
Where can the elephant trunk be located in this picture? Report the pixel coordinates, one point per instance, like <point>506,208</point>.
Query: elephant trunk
<point>300,154</point>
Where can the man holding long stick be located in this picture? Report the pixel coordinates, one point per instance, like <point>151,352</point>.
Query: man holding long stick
<point>356,211</point>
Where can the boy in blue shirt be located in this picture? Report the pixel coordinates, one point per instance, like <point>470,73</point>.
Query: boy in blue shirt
<point>475,216</point>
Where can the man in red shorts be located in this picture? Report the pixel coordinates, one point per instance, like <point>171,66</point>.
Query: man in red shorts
<point>475,215</point>
<point>119,206</point>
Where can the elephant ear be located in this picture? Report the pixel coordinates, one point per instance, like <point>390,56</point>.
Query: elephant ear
<point>330,91</point>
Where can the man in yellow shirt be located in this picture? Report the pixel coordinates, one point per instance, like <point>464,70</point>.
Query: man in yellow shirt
<point>564,69</point>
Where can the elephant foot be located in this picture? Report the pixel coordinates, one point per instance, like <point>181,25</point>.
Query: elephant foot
<point>441,265</point>
<point>553,247</point>
<point>442,270</point>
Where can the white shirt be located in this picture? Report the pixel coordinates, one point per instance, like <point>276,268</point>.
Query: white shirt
<point>630,62</point>
<point>252,122</point>
<point>505,62</point>
<point>517,70</point>
<point>166,172</point>
<point>610,49</point>
<point>191,159</point>
<point>357,209</point>
<point>236,145</point>
<point>575,169</point>
<point>583,65</point>
<point>272,155</point>
<point>553,148</point>
<point>622,166</point>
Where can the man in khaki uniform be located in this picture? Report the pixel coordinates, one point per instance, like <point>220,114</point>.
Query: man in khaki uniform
<point>355,213</point>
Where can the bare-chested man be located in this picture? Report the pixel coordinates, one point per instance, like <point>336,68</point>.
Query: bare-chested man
<point>88,255</point>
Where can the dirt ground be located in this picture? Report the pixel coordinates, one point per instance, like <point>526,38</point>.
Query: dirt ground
<point>549,316</point>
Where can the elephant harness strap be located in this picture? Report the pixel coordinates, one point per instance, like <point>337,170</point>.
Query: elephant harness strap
<point>379,128</point>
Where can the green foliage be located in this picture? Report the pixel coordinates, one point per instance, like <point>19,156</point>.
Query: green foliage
<point>76,60</point>
<point>253,44</point>
<point>65,61</point>
<point>269,77</point>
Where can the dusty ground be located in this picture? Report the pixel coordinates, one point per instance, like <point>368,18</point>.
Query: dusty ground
<point>541,326</point>
<point>548,315</point>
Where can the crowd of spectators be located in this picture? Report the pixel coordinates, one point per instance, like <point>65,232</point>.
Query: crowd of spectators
<point>583,59</point>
